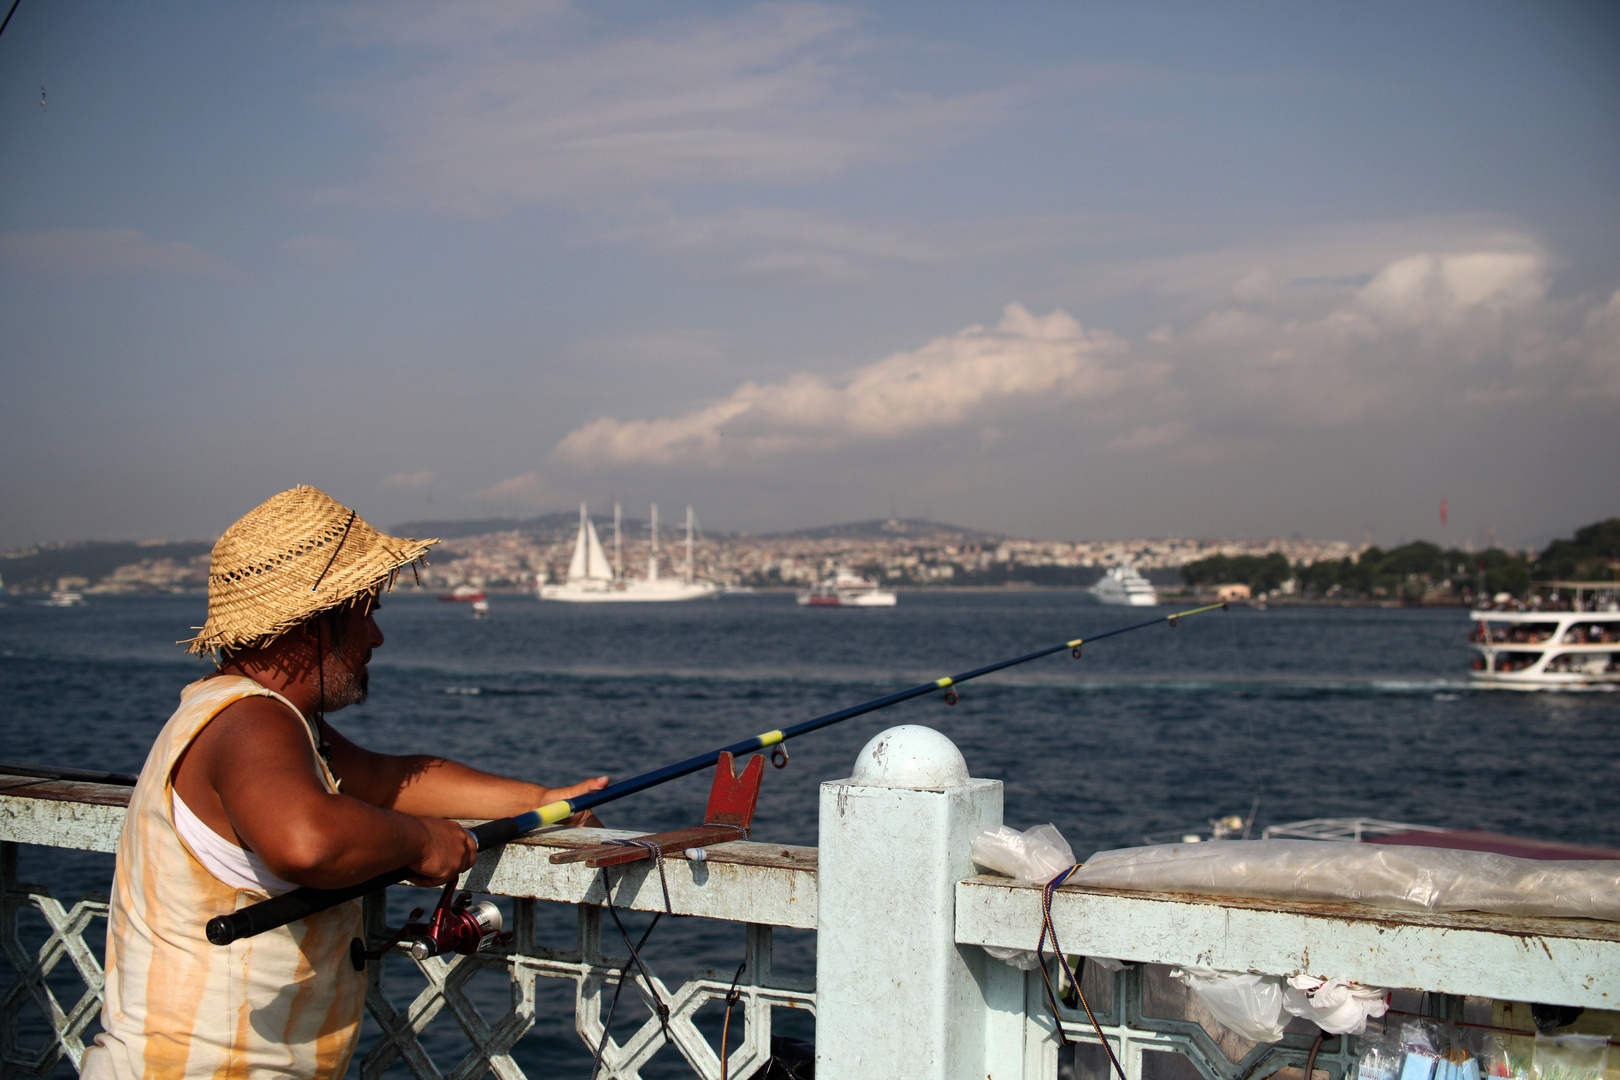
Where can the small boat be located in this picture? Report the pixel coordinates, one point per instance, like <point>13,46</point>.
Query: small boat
<point>65,598</point>
<point>1558,642</point>
<point>1123,586</point>
<point>846,588</point>
<point>471,594</point>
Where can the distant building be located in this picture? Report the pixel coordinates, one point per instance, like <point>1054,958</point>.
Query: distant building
<point>1238,591</point>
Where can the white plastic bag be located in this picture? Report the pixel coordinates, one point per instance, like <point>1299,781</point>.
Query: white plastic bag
<point>1248,1005</point>
<point>1023,959</point>
<point>1571,1057</point>
<point>1334,1005</point>
<point>1032,857</point>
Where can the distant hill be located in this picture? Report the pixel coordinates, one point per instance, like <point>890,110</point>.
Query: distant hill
<point>562,525</point>
<point>887,528</point>
<point>546,526</point>
<point>37,570</point>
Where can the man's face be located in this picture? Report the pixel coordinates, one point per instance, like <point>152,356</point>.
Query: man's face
<point>346,650</point>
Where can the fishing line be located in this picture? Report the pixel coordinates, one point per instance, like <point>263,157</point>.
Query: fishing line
<point>1248,725</point>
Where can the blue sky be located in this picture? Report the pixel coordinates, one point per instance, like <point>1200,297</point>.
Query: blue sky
<point>1063,270</point>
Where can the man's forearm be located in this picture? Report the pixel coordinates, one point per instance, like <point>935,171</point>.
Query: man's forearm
<point>346,841</point>
<point>437,787</point>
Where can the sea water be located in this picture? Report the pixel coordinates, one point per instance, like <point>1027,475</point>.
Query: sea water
<point>1316,712</point>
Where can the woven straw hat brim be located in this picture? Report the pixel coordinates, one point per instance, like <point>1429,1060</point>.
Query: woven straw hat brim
<point>290,558</point>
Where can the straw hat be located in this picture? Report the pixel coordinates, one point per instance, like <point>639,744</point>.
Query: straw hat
<point>289,558</point>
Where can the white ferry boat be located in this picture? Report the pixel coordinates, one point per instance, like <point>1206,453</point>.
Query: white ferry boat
<point>1124,587</point>
<point>1565,642</point>
<point>591,580</point>
<point>846,588</point>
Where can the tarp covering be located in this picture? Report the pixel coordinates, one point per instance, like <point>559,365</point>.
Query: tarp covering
<point>1379,875</point>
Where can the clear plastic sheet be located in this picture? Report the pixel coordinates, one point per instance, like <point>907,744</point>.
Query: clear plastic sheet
<point>1379,875</point>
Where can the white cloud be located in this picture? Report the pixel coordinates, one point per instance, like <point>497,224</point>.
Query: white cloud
<point>1151,436</point>
<point>1424,332</point>
<point>117,252</point>
<point>789,243</point>
<point>506,107</point>
<point>1022,362</point>
<point>410,481</point>
<point>1310,268</point>
<point>1427,330</point>
<point>528,491</point>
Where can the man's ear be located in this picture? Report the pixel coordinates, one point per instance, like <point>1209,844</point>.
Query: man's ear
<point>307,632</point>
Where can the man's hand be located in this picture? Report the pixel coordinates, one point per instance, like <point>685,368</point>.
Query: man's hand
<point>451,850</point>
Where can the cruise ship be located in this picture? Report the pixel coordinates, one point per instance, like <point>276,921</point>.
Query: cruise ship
<point>1569,642</point>
<point>1124,587</point>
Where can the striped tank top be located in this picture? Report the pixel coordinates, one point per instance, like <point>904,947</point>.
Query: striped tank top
<point>285,1003</point>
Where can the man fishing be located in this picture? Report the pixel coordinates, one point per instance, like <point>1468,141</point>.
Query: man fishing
<point>249,793</point>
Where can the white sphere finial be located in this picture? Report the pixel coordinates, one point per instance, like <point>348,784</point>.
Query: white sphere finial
<point>910,756</point>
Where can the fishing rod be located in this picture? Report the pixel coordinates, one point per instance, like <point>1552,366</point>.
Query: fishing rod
<point>294,905</point>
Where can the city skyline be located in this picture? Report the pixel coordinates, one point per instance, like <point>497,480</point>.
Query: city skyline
<point>1045,270</point>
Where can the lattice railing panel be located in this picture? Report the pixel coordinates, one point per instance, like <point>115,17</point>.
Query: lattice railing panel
<point>595,976</point>
<point>32,967</point>
<point>1133,1032</point>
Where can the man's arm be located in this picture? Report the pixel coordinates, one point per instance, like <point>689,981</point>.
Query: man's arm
<point>436,786</point>
<point>252,770</point>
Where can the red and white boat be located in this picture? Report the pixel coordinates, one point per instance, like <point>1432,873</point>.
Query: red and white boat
<point>846,588</point>
<point>468,593</point>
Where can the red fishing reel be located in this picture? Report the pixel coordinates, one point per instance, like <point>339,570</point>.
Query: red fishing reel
<point>457,926</point>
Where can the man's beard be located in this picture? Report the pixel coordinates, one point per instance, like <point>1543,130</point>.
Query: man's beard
<point>343,685</point>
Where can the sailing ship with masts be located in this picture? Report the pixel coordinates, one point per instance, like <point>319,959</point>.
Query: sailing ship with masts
<point>593,580</point>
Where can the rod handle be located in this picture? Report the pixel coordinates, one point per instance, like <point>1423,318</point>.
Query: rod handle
<point>304,901</point>
<point>290,907</point>
<point>497,832</point>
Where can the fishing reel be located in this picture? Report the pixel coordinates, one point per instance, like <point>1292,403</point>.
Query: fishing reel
<point>457,926</point>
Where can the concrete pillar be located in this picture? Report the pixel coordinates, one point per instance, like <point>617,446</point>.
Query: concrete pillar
<point>896,997</point>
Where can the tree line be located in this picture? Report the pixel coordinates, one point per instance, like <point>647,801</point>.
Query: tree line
<point>1421,569</point>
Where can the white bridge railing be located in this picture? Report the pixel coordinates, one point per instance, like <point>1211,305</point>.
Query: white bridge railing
<point>901,989</point>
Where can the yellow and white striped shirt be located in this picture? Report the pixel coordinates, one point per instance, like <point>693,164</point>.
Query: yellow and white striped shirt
<point>285,1003</point>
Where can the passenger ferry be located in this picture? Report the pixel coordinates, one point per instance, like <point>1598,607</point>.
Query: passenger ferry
<point>1558,641</point>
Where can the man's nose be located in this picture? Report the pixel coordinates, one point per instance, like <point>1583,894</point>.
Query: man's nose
<point>375,631</point>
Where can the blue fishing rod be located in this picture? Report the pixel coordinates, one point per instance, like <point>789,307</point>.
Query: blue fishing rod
<point>294,905</point>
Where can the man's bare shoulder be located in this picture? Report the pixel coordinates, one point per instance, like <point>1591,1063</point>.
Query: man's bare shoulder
<point>254,732</point>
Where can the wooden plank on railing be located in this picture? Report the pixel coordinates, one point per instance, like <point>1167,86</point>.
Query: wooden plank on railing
<point>741,880</point>
<point>62,813</point>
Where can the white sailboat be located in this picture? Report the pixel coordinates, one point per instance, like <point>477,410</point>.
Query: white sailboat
<point>589,576</point>
<point>592,581</point>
